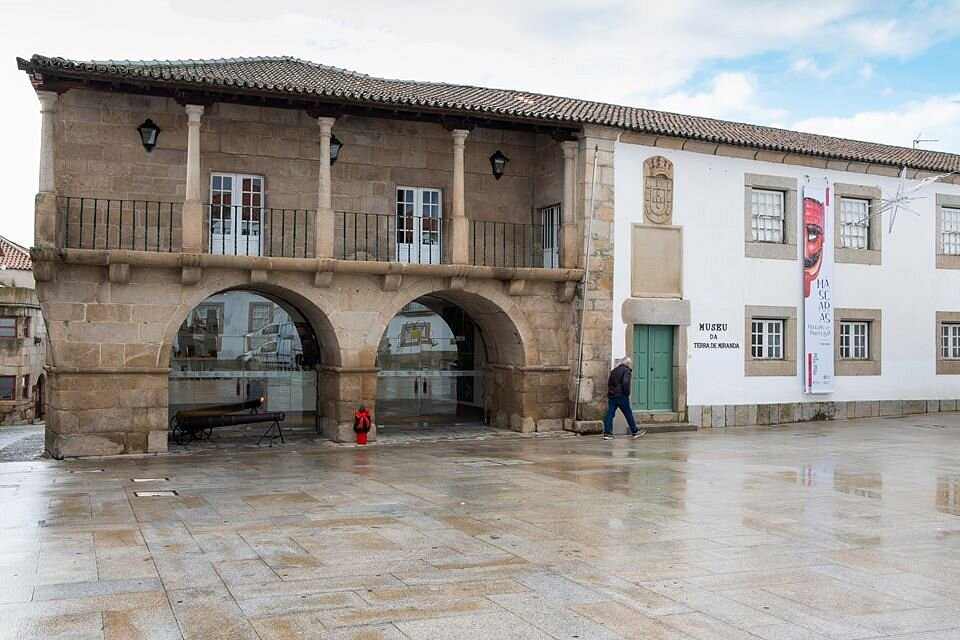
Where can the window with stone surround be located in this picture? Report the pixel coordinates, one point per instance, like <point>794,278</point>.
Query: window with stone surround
<point>8,387</point>
<point>950,231</point>
<point>766,223</point>
<point>261,314</point>
<point>25,388</point>
<point>854,223</point>
<point>854,340</point>
<point>770,217</point>
<point>8,327</point>
<point>857,344</point>
<point>766,339</point>
<point>948,342</point>
<point>858,233</point>
<point>771,333</point>
<point>947,240</point>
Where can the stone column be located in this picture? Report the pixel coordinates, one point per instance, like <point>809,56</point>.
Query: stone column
<point>45,219</point>
<point>323,233</point>
<point>192,207</point>
<point>460,232</point>
<point>570,247</point>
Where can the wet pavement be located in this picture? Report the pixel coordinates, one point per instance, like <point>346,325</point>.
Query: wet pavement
<point>844,530</point>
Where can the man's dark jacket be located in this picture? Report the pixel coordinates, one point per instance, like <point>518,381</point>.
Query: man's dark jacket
<point>619,382</point>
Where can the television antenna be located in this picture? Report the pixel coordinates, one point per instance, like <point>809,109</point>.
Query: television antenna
<point>920,138</point>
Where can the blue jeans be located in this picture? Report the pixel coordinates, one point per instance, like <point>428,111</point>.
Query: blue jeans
<point>622,403</point>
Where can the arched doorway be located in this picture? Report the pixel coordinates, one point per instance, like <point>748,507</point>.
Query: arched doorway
<point>239,345</point>
<point>431,360</point>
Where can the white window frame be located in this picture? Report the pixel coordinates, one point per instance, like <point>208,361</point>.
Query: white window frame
<point>764,226</point>
<point>950,341</point>
<point>550,219</point>
<point>767,337</point>
<point>950,231</point>
<point>854,340</point>
<point>421,243</point>
<point>244,234</point>
<point>855,223</point>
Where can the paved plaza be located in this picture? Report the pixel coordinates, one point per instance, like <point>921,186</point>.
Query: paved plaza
<point>841,530</point>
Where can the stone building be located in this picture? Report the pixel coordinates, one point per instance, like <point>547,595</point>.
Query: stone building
<point>22,339</point>
<point>208,230</point>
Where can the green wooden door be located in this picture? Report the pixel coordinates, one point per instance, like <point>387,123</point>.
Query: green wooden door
<point>652,368</point>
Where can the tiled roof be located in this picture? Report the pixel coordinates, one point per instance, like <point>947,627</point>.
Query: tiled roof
<point>13,256</point>
<point>287,75</point>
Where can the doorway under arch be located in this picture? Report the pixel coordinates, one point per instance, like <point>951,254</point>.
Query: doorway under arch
<point>431,359</point>
<point>239,345</point>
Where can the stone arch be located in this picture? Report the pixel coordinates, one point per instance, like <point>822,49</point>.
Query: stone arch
<point>510,339</point>
<point>314,310</point>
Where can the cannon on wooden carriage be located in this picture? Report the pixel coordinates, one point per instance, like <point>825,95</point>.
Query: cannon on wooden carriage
<point>198,424</point>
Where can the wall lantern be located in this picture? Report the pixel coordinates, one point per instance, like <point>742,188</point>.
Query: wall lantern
<point>498,162</point>
<point>335,146</point>
<point>148,134</point>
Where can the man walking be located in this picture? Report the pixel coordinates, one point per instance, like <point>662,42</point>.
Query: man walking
<point>618,397</point>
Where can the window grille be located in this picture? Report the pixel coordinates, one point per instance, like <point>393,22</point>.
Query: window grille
<point>950,231</point>
<point>855,340</point>
<point>950,341</point>
<point>854,223</point>
<point>766,339</point>
<point>768,215</point>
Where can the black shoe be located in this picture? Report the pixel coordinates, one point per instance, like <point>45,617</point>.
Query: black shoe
<point>639,433</point>
<point>608,436</point>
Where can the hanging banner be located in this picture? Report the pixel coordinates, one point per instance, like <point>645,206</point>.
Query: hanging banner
<point>817,289</point>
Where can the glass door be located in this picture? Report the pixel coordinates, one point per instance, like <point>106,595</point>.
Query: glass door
<point>418,225</point>
<point>236,214</point>
<point>550,236</point>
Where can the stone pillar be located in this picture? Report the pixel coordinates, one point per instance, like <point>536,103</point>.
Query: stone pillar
<point>460,233</point>
<point>323,234</point>
<point>45,219</point>
<point>597,292</point>
<point>192,207</point>
<point>570,247</point>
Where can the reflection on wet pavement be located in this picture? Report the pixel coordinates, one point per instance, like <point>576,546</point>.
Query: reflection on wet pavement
<point>845,530</point>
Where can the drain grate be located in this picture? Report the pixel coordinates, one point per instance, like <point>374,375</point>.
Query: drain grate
<point>150,479</point>
<point>87,471</point>
<point>154,494</point>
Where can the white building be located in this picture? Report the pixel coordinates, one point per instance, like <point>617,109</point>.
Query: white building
<point>692,267</point>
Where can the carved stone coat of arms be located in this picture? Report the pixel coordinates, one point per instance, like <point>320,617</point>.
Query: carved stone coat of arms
<point>658,190</point>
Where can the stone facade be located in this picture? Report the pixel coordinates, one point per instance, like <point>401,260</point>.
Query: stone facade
<point>22,357</point>
<point>748,415</point>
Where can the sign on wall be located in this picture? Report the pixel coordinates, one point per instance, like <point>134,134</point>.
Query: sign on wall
<point>817,289</point>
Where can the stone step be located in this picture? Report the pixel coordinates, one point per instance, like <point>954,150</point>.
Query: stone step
<point>668,427</point>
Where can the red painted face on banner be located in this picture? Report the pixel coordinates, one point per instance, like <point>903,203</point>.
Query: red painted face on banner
<point>813,220</point>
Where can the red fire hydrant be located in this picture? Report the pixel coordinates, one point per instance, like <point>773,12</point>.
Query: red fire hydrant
<point>361,424</point>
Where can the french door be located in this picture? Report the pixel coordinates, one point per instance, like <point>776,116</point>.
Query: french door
<point>550,236</point>
<point>418,225</point>
<point>236,214</point>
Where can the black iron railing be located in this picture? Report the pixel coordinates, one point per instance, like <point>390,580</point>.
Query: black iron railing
<point>260,231</point>
<point>511,244</point>
<point>138,225</point>
<point>381,237</point>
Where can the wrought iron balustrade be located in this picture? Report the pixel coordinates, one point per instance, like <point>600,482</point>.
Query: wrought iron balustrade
<point>104,223</point>
<point>379,237</point>
<point>260,231</point>
<point>514,244</point>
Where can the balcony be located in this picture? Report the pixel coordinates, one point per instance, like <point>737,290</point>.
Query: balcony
<point>157,226</point>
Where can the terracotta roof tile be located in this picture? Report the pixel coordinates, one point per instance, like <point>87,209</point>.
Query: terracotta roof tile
<point>13,256</point>
<point>294,76</point>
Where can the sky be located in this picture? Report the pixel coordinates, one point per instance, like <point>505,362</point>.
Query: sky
<point>863,69</point>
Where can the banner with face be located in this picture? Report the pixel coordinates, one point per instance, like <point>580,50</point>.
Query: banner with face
<point>817,289</point>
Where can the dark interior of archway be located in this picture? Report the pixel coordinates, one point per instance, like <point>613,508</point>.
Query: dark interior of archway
<point>239,345</point>
<point>431,359</point>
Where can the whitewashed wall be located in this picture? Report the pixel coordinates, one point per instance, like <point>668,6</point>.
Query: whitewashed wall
<point>719,281</point>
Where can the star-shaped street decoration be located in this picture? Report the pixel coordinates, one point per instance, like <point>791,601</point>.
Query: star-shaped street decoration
<point>903,198</point>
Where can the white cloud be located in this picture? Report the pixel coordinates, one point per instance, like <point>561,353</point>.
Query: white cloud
<point>887,91</point>
<point>936,117</point>
<point>731,96</point>
<point>866,72</point>
<point>808,67</point>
